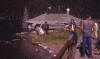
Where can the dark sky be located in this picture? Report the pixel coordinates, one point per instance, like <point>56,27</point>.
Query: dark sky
<point>81,7</point>
<point>16,7</point>
<point>78,7</point>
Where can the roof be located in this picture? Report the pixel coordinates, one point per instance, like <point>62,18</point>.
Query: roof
<point>53,18</point>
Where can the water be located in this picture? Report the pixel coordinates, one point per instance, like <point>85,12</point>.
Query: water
<point>16,49</point>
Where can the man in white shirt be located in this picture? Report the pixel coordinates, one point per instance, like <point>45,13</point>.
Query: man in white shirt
<point>49,10</point>
<point>96,25</point>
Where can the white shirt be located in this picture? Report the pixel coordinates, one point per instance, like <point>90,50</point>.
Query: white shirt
<point>72,27</point>
<point>29,26</point>
<point>96,24</point>
<point>49,7</point>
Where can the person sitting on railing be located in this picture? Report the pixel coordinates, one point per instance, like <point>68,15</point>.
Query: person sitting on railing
<point>97,48</point>
<point>72,29</point>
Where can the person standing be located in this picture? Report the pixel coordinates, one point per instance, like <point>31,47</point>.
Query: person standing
<point>59,8</point>
<point>36,29</point>
<point>96,31</point>
<point>46,28</point>
<point>86,27</point>
<point>49,9</point>
<point>72,29</point>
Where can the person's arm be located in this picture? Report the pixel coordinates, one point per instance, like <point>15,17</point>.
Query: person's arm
<point>97,27</point>
<point>48,26</point>
<point>69,27</point>
<point>81,27</point>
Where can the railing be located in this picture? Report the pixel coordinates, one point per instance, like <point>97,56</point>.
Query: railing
<point>67,50</point>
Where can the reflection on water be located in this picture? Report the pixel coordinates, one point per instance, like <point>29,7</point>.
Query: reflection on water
<point>42,52</point>
<point>16,49</point>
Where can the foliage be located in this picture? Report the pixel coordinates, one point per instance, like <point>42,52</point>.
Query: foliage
<point>78,8</point>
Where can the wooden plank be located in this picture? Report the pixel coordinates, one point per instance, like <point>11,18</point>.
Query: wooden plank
<point>64,48</point>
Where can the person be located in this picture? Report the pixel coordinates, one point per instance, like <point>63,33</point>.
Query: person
<point>49,9</point>
<point>46,27</point>
<point>30,27</point>
<point>36,29</point>
<point>95,33</point>
<point>97,48</point>
<point>59,8</point>
<point>72,29</point>
<point>86,27</point>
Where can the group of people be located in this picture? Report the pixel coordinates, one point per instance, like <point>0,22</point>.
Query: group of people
<point>88,28</point>
<point>41,28</point>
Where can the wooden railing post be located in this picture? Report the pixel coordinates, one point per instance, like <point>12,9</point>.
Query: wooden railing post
<point>61,53</point>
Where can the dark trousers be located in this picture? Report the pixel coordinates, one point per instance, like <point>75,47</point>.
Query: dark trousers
<point>87,39</point>
<point>48,11</point>
<point>75,36</point>
<point>46,31</point>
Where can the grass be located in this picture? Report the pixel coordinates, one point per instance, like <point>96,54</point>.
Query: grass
<point>56,37</point>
